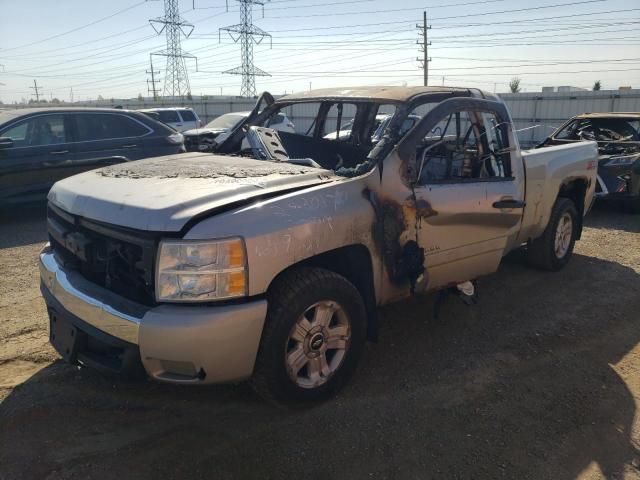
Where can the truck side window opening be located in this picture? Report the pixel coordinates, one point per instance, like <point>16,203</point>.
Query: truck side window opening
<point>338,116</point>
<point>465,146</point>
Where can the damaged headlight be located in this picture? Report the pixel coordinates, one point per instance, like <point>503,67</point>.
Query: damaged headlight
<point>621,160</point>
<point>200,271</point>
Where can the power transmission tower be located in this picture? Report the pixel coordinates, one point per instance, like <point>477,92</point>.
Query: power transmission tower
<point>151,84</point>
<point>424,44</point>
<point>176,79</point>
<point>247,34</point>
<point>37,92</point>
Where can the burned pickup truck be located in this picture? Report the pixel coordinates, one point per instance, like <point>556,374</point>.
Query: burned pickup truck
<point>266,259</point>
<point>618,137</point>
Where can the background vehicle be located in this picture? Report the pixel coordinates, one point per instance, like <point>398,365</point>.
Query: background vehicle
<point>270,264</point>
<point>381,123</point>
<point>181,119</point>
<point>40,146</point>
<point>201,139</point>
<point>618,137</point>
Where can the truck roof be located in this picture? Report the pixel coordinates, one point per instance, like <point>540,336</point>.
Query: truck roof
<point>609,115</point>
<point>385,93</point>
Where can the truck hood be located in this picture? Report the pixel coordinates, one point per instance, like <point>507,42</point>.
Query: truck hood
<point>162,194</point>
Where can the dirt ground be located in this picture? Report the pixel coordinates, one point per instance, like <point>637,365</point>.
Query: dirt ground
<point>540,380</point>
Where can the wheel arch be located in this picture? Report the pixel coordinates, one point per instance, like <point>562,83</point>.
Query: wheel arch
<point>576,191</point>
<point>355,263</point>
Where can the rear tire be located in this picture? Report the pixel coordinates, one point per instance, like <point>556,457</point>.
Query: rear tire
<point>553,249</point>
<point>313,337</point>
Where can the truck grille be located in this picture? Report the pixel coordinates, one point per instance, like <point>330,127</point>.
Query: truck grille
<point>119,259</point>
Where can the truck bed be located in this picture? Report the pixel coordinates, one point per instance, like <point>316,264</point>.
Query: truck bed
<point>546,169</point>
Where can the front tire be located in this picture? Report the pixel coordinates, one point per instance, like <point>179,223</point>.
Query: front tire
<point>553,249</point>
<point>313,336</point>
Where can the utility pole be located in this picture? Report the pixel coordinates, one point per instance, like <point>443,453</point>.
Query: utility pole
<point>247,34</point>
<point>35,88</point>
<point>424,44</point>
<point>71,94</point>
<point>176,80</point>
<point>152,88</point>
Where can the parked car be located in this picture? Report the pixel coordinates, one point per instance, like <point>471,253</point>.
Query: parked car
<point>618,137</point>
<point>202,139</point>
<point>181,119</point>
<point>381,123</point>
<point>269,263</point>
<point>39,146</point>
<point>345,129</point>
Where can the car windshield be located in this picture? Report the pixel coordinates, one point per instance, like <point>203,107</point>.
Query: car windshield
<point>228,120</point>
<point>602,130</point>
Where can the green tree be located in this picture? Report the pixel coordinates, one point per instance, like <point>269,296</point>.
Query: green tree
<point>140,97</point>
<point>597,86</point>
<point>189,96</point>
<point>514,85</point>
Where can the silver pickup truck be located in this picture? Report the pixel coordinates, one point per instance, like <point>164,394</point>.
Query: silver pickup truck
<point>266,259</point>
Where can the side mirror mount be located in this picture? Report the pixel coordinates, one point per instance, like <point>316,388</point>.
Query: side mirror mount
<point>6,142</point>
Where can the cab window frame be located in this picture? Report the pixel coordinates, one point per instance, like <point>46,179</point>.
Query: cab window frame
<point>407,147</point>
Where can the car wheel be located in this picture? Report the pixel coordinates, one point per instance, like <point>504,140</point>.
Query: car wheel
<point>553,249</point>
<point>313,336</point>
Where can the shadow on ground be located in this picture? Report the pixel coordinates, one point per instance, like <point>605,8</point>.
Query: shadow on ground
<point>23,225</point>
<point>523,385</point>
<point>613,215</point>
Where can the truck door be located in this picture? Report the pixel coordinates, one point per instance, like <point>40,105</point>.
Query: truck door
<point>468,189</point>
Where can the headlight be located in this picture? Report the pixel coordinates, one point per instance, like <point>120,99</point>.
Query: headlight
<point>200,271</point>
<point>621,161</point>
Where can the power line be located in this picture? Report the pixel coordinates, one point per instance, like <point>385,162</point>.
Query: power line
<point>77,28</point>
<point>35,89</point>
<point>152,88</point>
<point>517,10</point>
<point>247,34</point>
<point>424,47</point>
<point>176,78</point>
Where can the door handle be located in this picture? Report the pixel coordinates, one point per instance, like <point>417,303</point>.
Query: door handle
<point>59,152</point>
<point>509,203</point>
<point>133,145</point>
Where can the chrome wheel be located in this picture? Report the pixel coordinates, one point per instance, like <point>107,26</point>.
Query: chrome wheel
<point>317,344</point>
<point>564,235</point>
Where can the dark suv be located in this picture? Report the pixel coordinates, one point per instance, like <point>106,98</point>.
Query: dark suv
<point>40,146</point>
<point>618,137</point>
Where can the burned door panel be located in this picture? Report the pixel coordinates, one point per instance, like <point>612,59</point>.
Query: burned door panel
<point>460,159</point>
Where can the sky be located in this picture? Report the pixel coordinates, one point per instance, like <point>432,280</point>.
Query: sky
<point>102,48</point>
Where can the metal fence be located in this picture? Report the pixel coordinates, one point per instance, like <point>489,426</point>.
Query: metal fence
<point>535,115</point>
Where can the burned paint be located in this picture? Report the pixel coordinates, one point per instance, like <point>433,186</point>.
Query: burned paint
<point>404,263</point>
<point>207,166</point>
<point>422,208</point>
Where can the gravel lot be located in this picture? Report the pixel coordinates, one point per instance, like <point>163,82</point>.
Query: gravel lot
<point>540,380</point>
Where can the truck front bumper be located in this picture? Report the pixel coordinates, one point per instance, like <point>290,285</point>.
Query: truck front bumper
<point>91,325</point>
